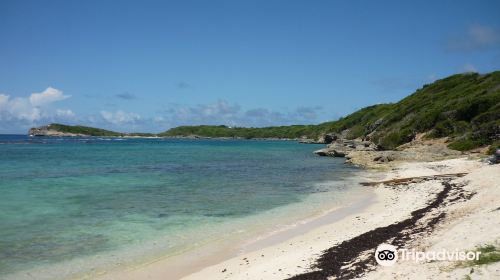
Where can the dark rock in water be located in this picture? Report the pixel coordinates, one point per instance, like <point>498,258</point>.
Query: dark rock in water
<point>322,152</point>
<point>162,215</point>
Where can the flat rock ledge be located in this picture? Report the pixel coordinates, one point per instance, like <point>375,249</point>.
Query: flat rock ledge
<point>340,148</point>
<point>366,154</point>
<point>323,139</point>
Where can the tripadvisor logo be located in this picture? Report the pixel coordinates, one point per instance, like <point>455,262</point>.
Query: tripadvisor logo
<point>387,255</point>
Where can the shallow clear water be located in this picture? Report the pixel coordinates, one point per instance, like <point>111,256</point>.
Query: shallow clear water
<point>67,198</point>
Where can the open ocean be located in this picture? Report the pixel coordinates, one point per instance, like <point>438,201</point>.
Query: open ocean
<point>87,203</point>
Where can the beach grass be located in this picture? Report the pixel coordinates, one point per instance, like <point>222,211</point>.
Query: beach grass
<point>489,254</point>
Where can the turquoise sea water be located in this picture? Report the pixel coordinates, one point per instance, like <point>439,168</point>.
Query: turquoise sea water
<point>68,199</point>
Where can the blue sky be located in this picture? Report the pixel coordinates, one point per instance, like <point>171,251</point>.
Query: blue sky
<point>151,65</point>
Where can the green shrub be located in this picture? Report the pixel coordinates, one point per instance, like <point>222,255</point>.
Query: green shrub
<point>442,129</point>
<point>464,144</point>
<point>355,132</point>
<point>489,254</point>
<point>460,127</point>
<point>396,138</point>
<point>493,147</point>
<point>78,129</point>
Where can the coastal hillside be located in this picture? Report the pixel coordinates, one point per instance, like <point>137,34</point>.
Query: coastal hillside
<point>288,132</point>
<point>463,107</point>
<point>55,129</point>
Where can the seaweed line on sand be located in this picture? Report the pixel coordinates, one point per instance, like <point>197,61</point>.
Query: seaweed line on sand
<point>353,257</point>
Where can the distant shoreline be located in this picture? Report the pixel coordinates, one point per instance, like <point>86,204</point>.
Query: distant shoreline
<point>163,137</point>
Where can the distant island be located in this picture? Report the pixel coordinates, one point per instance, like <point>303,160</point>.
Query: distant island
<point>62,130</point>
<point>465,108</point>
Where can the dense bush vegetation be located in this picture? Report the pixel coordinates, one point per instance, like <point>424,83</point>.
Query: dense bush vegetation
<point>78,129</point>
<point>291,132</point>
<point>92,131</point>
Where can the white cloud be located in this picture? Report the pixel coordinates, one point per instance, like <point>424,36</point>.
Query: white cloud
<point>4,99</point>
<point>20,113</point>
<point>219,109</point>
<point>158,119</point>
<point>20,109</point>
<point>222,112</point>
<point>48,96</point>
<point>468,68</point>
<point>307,113</point>
<point>431,78</point>
<point>478,37</point>
<point>65,113</point>
<point>483,35</point>
<point>120,117</point>
<point>17,114</point>
<point>218,112</point>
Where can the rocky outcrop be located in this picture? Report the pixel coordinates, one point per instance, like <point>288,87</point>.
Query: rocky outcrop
<point>340,147</point>
<point>366,154</point>
<point>375,158</point>
<point>326,152</point>
<point>417,150</point>
<point>47,130</point>
<point>323,139</point>
<point>309,141</point>
<point>329,138</point>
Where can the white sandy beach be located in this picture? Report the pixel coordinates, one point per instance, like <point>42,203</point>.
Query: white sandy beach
<point>467,224</point>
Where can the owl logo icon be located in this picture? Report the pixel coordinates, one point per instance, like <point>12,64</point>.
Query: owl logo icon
<point>386,255</point>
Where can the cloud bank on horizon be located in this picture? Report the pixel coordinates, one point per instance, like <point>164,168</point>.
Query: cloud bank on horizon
<point>23,111</point>
<point>42,108</point>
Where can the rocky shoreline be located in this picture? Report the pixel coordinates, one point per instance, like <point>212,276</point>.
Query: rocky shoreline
<point>50,131</point>
<point>366,154</point>
<point>47,130</point>
<point>358,152</point>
